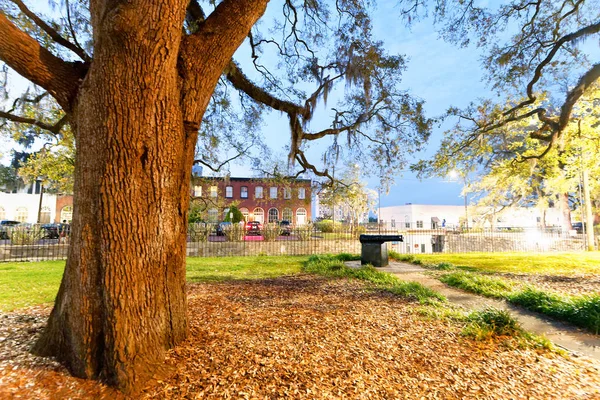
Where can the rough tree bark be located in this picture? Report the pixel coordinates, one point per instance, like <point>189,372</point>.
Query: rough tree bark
<point>135,115</point>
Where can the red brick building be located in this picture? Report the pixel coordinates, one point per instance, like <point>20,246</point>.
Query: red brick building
<point>259,199</point>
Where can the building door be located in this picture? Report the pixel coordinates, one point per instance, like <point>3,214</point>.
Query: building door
<point>300,216</point>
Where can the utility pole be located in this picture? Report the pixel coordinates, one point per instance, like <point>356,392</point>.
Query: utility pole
<point>466,205</point>
<point>588,225</point>
<point>39,216</point>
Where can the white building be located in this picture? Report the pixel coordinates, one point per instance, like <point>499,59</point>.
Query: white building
<point>24,207</point>
<point>420,216</point>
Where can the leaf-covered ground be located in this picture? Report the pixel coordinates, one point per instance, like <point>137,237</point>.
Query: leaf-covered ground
<point>312,337</point>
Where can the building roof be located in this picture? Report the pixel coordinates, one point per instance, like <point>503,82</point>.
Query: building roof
<point>242,179</point>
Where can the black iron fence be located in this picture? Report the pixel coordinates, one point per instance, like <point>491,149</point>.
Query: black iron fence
<point>33,242</point>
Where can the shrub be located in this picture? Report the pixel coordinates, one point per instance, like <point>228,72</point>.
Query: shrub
<point>198,232</point>
<point>304,232</point>
<point>235,232</point>
<point>270,232</point>
<point>491,322</point>
<point>25,235</point>
<point>358,230</point>
<point>237,215</point>
<point>444,266</point>
<point>329,226</point>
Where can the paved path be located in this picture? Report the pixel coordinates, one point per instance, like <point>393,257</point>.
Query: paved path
<point>562,335</point>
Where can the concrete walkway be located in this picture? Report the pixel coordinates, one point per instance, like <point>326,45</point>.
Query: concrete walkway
<point>569,338</point>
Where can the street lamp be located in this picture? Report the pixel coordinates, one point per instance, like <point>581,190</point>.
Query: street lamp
<point>454,175</point>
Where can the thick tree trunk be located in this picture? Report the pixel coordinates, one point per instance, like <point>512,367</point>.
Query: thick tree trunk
<point>563,203</point>
<point>122,302</point>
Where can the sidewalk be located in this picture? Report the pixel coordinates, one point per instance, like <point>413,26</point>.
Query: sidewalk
<point>570,338</point>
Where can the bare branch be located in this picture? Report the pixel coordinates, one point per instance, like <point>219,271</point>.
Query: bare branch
<point>588,30</point>
<point>218,168</point>
<point>51,32</point>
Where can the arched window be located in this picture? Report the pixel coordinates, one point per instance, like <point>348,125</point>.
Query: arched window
<point>45,215</point>
<point>287,214</point>
<point>2,213</point>
<point>259,215</point>
<point>66,214</point>
<point>273,215</point>
<point>300,216</point>
<point>213,215</point>
<point>22,214</point>
<point>245,213</point>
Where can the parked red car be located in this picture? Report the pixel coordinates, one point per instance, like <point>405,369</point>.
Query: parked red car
<point>253,228</point>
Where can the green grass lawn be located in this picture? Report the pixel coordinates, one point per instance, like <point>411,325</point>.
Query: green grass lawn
<point>473,272</point>
<point>213,269</point>
<point>528,263</point>
<point>24,284</point>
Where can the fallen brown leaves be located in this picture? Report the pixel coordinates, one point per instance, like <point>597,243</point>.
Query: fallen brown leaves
<point>311,337</point>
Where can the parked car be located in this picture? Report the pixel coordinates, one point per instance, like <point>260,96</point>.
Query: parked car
<point>578,226</point>
<point>51,231</point>
<point>253,228</point>
<point>5,225</point>
<point>285,228</point>
<point>222,227</point>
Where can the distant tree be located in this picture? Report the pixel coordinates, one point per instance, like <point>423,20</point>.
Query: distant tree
<point>9,180</point>
<point>350,194</point>
<point>237,215</point>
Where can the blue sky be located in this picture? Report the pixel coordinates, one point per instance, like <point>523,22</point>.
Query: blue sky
<point>438,72</point>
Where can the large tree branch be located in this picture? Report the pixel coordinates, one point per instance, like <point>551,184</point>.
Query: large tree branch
<point>25,55</point>
<point>242,83</point>
<point>585,31</point>
<point>575,94</point>
<point>50,31</point>
<point>55,129</point>
<point>215,41</point>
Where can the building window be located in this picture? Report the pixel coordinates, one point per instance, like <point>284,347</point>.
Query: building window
<point>300,216</point>
<point>245,213</point>
<point>45,215</point>
<point>301,193</point>
<point>273,215</point>
<point>66,214</point>
<point>244,192</point>
<point>22,214</point>
<point>229,192</point>
<point>213,192</point>
<point>406,222</point>
<point>287,193</point>
<point>287,214</point>
<point>273,192</point>
<point>419,224</point>
<point>213,215</point>
<point>393,223</point>
<point>259,215</point>
<point>197,191</point>
<point>258,192</point>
